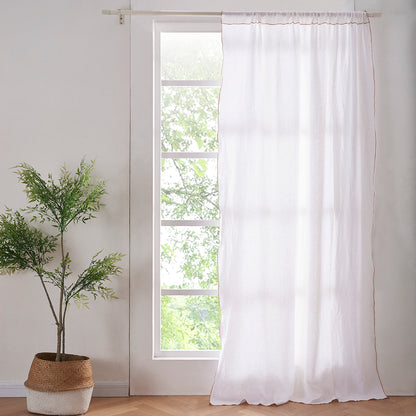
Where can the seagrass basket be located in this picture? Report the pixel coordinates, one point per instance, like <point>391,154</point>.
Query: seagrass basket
<point>59,387</point>
<point>46,374</point>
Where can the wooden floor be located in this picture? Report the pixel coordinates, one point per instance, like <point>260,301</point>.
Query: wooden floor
<point>199,406</point>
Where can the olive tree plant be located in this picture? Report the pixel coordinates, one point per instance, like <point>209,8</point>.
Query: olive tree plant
<point>74,197</point>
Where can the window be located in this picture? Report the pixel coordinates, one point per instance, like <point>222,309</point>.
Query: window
<point>186,224</point>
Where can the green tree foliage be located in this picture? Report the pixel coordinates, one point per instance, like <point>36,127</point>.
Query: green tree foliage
<point>23,247</point>
<point>189,191</point>
<point>189,257</point>
<point>195,56</point>
<point>189,119</point>
<point>190,323</point>
<point>73,198</point>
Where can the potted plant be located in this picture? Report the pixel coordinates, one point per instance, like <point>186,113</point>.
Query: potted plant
<point>58,383</point>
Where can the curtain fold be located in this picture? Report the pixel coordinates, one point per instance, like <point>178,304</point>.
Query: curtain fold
<point>296,184</point>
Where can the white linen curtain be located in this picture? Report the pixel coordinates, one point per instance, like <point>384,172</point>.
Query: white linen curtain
<point>296,167</point>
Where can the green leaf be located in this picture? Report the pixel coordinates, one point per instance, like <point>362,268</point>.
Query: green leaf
<point>74,197</point>
<point>92,279</point>
<point>22,247</point>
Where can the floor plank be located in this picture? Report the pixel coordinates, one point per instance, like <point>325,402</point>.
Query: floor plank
<point>199,406</point>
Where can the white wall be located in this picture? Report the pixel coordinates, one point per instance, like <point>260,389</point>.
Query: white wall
<point>394,37</point>
<point>64,93</point>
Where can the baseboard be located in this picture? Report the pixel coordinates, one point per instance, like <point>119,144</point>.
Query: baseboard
<point>12,390</point>
<point>101,389</point>
<point>107,389</point>
<point>111,389</point>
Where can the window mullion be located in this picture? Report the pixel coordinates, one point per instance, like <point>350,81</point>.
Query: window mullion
<point>189,292</point>
<point>190,83</point>
<point>190,223</point>
<point>189,155</point>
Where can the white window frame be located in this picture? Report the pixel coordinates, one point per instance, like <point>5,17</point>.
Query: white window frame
<point>182,27</point>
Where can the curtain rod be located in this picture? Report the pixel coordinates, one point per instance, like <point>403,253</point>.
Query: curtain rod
<point>122,12</point>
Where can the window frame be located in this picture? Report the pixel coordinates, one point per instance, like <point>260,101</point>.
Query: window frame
<point>160,27</point>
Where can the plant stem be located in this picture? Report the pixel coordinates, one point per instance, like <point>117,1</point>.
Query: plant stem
<point>58,343</point>
<point>61,298</point>
<point>49,299</point>
<point>63,331</point>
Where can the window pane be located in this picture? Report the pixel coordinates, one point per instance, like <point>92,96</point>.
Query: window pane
<point>189,189</point>
<point>189,257</point>
<point>190,323</point>
<point>191,56</point>
<point>189,119</point>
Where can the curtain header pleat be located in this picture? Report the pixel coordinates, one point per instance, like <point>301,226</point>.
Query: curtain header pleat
<point>302,18</point>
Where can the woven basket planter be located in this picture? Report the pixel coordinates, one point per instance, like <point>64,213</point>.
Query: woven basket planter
<point>59,388</point>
